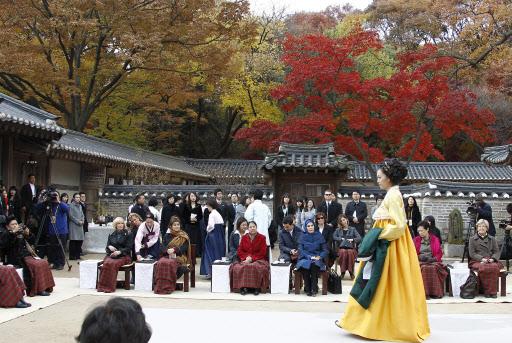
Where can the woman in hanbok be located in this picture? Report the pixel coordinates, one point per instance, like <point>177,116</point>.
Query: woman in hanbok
<point>215,243</point>
<point>397,310</point>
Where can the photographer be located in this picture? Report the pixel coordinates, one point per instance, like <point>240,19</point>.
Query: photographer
<point>506,249</point>
<point>484,211</point>
<point>16,244</point>
<point>54,213</point>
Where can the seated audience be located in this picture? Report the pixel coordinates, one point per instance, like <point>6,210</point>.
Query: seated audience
<point>15,243</point>
<point>327,232</point>
<point>346,238</point>
<point>434,273</point>
<point>12,288</point>
<point>119,320</point>
<point>235,237</point>
<point>312,253</point>
<point>252,270</point>
<point>118,254</point>
<point>433,230</point>
<point>175,258</point>
<point>147,239</point>
<point>289,239</point>
<point>484,259</point>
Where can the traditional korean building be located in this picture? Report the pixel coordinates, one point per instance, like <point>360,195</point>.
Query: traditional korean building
<point>25,132</point>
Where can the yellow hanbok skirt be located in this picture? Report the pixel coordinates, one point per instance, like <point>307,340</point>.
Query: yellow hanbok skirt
<point>398,311</point>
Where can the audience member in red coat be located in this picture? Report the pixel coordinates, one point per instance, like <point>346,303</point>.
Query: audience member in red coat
<point>251,271</point>
<point>434,273</point>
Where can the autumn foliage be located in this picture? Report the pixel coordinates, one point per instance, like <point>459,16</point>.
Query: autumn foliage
<point>409,114</point>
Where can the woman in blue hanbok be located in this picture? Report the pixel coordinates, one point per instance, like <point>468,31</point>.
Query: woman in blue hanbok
<point>215,244</point>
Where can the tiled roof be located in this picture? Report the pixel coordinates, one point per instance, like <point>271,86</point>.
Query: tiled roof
<point>17,112</point>
<point>90,146</point>
<point>307,156</point>
<point>203,191</point>
<point>436,188</point>
<point>231,172</point>
<point>501,154</point>
<point>449,171</point>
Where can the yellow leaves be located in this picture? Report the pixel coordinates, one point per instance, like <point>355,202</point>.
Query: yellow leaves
<point>253,98</point>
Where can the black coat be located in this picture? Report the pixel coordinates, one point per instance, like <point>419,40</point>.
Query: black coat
<point>141,210</point>
<point>289,241</point>
<point>328,233</point>
<point>167,238</point>
<point>187,211</point>
<point>332,213</point>
<point>26,196</point>
<point>281,214</point>
<point>414,215</point>
<point>122,241</point>
<point>84,210</point>
<point>15,207</point>
<point>231,214</point>
<point>167,212</point>
<point>361,214</point>
<point>14,248</point>
<point>485,212</point>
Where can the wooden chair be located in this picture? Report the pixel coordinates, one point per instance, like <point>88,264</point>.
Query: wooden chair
<point>298,280</point>
<point>127,269</point>
<point>189,277</point>
<point>503,283</point>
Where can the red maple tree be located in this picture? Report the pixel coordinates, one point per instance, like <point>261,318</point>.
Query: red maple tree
<point>326,99</point>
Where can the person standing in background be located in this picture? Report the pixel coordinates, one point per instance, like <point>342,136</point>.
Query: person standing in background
<point>29,193</point>
<point>76,227</point>
<point>356,211</point>
<point>83,199</point>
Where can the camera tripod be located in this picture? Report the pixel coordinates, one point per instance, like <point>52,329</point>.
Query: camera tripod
<point>54,230</point>
<point>469,233</point>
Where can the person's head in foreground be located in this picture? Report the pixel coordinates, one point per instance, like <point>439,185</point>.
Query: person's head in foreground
<point>119,320</point>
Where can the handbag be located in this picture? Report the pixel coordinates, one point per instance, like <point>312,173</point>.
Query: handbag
<point>469,289</point>
<point>334,281</point>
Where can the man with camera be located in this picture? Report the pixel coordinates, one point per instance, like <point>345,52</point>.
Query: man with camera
<point>506,249</point>
<point>53,223</point>
<point>484,211</point>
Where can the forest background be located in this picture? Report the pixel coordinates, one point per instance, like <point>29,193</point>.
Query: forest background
<point>425,80</point>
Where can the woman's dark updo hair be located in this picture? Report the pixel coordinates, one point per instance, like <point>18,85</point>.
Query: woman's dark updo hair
<point>394,170</point>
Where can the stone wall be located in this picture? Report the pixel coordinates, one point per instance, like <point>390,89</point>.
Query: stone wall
<point>441,206</point>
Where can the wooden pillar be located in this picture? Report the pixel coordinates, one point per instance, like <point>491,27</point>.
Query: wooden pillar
<point>9,167</point>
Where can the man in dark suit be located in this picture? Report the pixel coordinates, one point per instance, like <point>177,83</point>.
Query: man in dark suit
<point>29,193</point>
<point>289,239</point>
<point>83,204</point>
<point>484,211</point>
<point>231,213</point>
<point>356,211</point>
<point>140,207</point>
<point>331,208</point>
<point>223,207</point>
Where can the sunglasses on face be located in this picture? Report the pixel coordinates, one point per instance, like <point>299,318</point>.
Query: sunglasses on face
<point>318,218</point>
<point>328,194</point>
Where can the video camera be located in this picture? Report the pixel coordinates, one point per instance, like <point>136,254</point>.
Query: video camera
<point>472,209</point>
<point>504,223</point>
<point>49,195</point>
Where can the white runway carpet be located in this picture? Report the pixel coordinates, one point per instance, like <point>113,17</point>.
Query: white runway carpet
<point>297,327</point>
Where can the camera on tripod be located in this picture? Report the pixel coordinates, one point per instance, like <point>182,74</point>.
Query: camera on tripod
<point>504,223</point>
<point>472,209</point>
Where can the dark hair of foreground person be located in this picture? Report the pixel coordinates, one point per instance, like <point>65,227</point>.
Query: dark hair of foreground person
<point>118,320</point>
